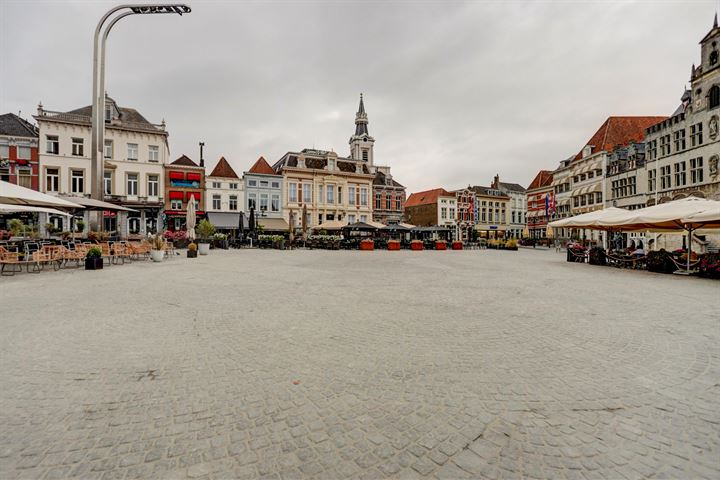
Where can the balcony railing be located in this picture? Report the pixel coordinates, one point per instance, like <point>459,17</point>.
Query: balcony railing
<point>85,120</point>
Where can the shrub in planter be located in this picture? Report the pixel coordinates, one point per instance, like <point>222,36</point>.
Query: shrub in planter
<point>205,230</point>
<point>393,245</point>
<point>511,244</point>
<point>157,247</point>
<point>192,251</point>
<point>660,262</point>
<point>709,266</point>
<point>457,245</point>
<point>597,256</point>
<point>440,245</point>
<point>93,259</point>
<point>416,245</point>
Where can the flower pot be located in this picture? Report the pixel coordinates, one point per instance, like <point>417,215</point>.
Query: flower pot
<point>157,255</point>
<point>203,248</point>
<point>457,245</point>
<point>367,245</point>
<point>192,254</point>
<point>393,245</point>
<point>93,263</point>
<point>440,245</point>
<point>416,246</point>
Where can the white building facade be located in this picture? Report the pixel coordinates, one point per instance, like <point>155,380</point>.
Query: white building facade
<point>135,151</point>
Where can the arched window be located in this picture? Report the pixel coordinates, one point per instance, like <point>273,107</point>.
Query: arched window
<point>714,96</point>
<point>713,57</point>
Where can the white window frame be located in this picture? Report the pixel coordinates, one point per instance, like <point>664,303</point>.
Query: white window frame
<point>153,186</point>
<point>128,182</point>
<point>108,149</point>
<point>77,182</point>
<point>78,147</point>
<point>216,202</point>
<point>132,151</point>
<point>153,153</point>
<point>55,177</point>
<point>233,202</point>
<point>107,182</point>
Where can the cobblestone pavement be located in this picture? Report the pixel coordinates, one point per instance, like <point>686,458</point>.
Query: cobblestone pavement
<point>300,364</point>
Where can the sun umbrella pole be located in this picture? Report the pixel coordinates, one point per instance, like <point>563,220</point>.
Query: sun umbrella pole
<point>689,252</point>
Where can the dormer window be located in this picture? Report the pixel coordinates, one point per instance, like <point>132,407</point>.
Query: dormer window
<point>108,113</point>
<point>587,151</point>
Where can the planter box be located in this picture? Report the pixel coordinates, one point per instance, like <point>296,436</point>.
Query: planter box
<point>440,245</point>
<point>93,263</point>
<point>157,255</point>
<point>457,245</point>
<point>416,246</point>
<point>203,248</point>
<point>393,245</point>
<point>192,254</point>
<point>367,245</point>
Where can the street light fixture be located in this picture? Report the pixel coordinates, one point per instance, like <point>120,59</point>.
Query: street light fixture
<point>98,104</point>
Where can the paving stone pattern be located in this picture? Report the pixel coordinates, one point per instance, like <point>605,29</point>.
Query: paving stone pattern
<point>315,364</point>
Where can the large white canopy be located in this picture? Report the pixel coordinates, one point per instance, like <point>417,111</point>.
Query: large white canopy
<point>17,195</point>
<point>588,220</point>
<point>6,208</point>
<point>661,217</point>
<point>92,204</point>
<point>706,219</point>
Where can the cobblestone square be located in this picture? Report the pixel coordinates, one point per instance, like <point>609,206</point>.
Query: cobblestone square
<point>299,364</point>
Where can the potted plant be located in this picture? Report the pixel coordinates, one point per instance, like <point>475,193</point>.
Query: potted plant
<point>93,259</point>
<point>220,241</point>
<point>710,266</point>
<point>393,245</point>
<point>511,244</point>
<point>367,244</point>
<point>206,230</point>
<point>457,245</point>
<point>440,245</point>
<point>17,227</point>
<point>416,245</point>
<point>192,250</point>
<point>80,226</point>
<point>157,247</point>
<point>50,229</point>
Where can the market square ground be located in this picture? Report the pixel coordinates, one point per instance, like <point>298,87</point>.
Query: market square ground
<point>360,364</point>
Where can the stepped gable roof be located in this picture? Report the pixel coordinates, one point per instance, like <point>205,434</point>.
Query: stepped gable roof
<point>185,161</point>
<point>619,131</point>
<point>261,166</point>
<point>13,125</point>
<point>223,169</point>
<point>428,197</point>
<point>542,179</point>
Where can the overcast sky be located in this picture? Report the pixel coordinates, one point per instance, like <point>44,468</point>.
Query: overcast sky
<point>455,91</point>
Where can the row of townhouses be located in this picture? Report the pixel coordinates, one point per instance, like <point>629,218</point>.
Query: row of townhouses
<point>304,188</point>
<point>634,162</point>
<point>629,162</point>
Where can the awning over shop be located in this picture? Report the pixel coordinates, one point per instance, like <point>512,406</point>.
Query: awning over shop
<point>92,204</point>
<point>7,208</point>
<point>331,225</point>
<point>177,176</point>
<point>273,224</point>
<point>193,177</point>
<point>17,195</point>
<point>225,220</point>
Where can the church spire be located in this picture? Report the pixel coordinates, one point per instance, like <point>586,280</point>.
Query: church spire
<point>361,119</point>
<point>715,25</point>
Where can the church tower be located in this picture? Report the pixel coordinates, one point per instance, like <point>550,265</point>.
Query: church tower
<point>361,144</point>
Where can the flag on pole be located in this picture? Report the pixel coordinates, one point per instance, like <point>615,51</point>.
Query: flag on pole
<point>552,205</point>
<point>547,205</point>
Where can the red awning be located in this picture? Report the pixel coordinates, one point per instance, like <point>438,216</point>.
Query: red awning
<point>177,176</point>
<point>192,194</point>
<point>194,177</point>
<point>176,195</point>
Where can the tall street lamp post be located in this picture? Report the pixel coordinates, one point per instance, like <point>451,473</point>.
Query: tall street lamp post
<point>98,96</point>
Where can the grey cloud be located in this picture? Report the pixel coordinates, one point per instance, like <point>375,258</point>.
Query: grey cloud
<point>455,91</point>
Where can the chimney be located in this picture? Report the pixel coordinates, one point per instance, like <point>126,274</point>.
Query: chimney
<point>202,160</point>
